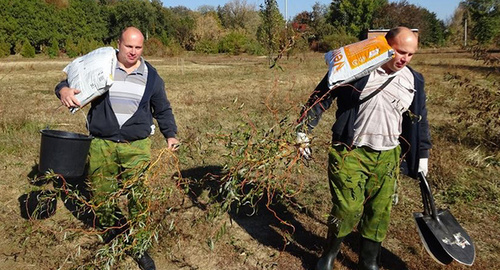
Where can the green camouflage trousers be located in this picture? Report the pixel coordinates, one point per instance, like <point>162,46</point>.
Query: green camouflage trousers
<point>116,169</point>
<point>362,185</point>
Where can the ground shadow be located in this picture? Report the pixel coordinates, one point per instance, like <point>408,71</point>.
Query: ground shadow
<point>275,226</point>
<point>73,192</point>
<point>391,261</point>
<point>38,204</point>
<point>388,260</point>
<point>270,225</point>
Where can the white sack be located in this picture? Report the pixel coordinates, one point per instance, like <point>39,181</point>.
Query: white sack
<point>92,74</point>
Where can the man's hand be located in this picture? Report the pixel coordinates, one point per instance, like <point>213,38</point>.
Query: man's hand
<point>173,144</point>
<point>423,166</point>
<point>303,143</point>
<point>68,98</point>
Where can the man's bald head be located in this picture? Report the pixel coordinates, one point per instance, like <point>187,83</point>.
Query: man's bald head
<point>400,32</point>
<point>131,31</point>
<point>405,44</point>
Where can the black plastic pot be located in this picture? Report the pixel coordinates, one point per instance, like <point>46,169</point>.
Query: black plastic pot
<point>63,152</point>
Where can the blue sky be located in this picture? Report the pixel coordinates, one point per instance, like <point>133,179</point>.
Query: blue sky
<point>443,8</point>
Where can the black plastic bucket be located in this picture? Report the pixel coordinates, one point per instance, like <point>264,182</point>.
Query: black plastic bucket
<point>63,152</point>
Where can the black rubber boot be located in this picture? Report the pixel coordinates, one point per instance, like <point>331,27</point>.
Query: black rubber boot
<point>145,262</point>
<point>328,258</point>
<point>369,254</point>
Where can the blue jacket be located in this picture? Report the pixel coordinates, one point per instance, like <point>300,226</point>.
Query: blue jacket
<point>103,123</point>
<point>415,138</point>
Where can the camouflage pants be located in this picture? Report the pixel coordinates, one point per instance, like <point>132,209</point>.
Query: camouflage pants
<point>116,169</point>
<point>362,185</point>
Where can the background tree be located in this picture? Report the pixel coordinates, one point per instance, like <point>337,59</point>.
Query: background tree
<point>317,26</point>
<point>207,32</point>
<point>181,24</point>
<point>27,50</point>
<point>485,15</point>
<point>456,26</point>
<point>81,19</point>
<point>4,48</point>
<point>204,9</point>
<point>272,24</point>
<point>431,29</point>
<point>58,3</point>
<point>8,24</point>
<point>354,16</point>
<point>53,50</point>
<point>235,14</point>
<point>77,26</point>
<point>140,14</point>
<point>30,20</point>
<point>239,16</point>
<point>160,23</point>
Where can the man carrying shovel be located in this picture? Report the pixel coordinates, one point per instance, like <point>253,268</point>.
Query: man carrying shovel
<point>369,138</point>
<point>121,120</point>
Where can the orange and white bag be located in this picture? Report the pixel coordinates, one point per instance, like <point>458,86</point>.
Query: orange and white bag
<point>356,60</point>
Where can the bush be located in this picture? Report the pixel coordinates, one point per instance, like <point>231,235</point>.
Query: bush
<point>18,47</point>
<point>113,44</point>
<point>253,47</point>
<point>82,46</point>
<point>71,48</point>
<point>92,45</point>
<point>53,50</point>
<point>4,49</point>
<point>207,46</point>
<point>174,49</point>
<point>27,50</point>
<point>233,43</point>
<point>335,41</point>
<point>154,47</point>
<point>301,45</point>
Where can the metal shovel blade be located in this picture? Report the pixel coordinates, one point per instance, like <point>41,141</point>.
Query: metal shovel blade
<point>431,243</point>
<point>440,231</point>
<point>452,237</point>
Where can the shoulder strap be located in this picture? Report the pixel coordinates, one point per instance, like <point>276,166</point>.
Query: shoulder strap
<point>372,94</point>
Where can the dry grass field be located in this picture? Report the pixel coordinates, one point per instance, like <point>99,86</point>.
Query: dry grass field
<point>216,95</point>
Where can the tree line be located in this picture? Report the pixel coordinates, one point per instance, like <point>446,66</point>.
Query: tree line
<point>75,27</point>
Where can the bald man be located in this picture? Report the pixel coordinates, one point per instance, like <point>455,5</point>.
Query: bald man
<point>371,141</point>
<point>121,122</point>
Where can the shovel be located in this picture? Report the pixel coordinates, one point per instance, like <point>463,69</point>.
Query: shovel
<point>443,238</point>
